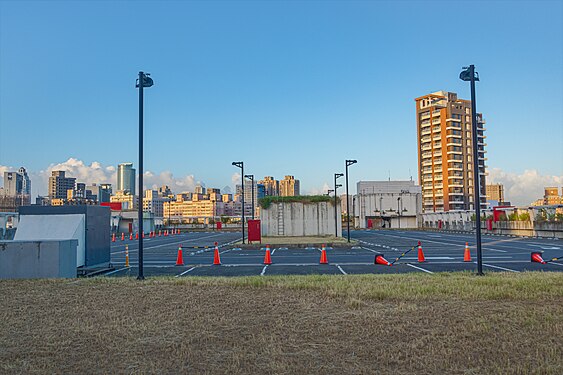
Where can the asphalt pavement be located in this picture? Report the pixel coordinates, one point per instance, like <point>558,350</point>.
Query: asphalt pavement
<point>444,252</point>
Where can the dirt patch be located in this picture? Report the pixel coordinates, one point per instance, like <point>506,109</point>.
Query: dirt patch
<point>298,325</point>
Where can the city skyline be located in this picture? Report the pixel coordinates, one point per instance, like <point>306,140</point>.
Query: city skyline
<point>339,83</point>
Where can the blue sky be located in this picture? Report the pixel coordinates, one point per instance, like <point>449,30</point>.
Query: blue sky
<point>291,87</point>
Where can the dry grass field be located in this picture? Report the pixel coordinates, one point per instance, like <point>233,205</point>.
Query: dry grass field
<point>389,324</point>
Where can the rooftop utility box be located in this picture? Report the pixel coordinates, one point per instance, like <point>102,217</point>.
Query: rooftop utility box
<point>90,225</point>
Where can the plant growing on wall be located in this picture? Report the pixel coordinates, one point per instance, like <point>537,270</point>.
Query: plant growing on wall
<point>524,216</point>
<point>266,202</point>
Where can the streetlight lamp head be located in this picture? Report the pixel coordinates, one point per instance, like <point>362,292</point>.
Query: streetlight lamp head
<point>237,164</point>
<point>147,81</point>
<point>338,175</point>
<point>465,74</point>
<point>350,162</point>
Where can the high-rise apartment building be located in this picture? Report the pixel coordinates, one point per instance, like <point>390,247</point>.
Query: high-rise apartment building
<point>495,192</point>
<point>59,185</point>
<point>271,186</point>
<point>126,178</point>
<point>445,152</point>
<point>551,196</point>
<point>289,187</point>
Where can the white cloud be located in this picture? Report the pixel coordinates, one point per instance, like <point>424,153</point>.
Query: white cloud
<point>318,191</point>
<point>235,179</point>
<point>522,189</point>
<point>177,185</point>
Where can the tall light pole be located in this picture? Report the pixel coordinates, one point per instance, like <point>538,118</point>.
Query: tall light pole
<point>399,212</point>
<point>240,164</point>
<point>348,163</point>
<point>469,74</point>
<point>143,81</point>
<point>251,178</point>
<point>336,186</point>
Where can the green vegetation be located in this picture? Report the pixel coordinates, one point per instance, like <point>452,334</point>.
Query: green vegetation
<point>266,202</point>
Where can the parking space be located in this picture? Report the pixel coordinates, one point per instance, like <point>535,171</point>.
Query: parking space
<point>443,252</point>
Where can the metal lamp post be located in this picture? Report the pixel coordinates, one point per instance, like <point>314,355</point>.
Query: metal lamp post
<point>143,81</point>
<point>336,186</point>
<point>348,163</point>
<point>469,74</point>
<point>240,164</point>
<point>251,178</point>
<point>398,214</point>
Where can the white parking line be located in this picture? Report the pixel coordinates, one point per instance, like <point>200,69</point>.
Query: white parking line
<point>497,267</point>
<point>263,270</point>
<point>185,272</point>
<point>373,251</point>
<point>273,251</point>
<point>112,272</point>
<point>419,268</point>
<point>341,270</point>
<point>559,264</point>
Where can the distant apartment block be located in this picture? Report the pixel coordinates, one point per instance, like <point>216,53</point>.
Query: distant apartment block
<point>16,191</point>
<point>126,178</point>
<point>551,196</point>
<point>153,202</point>
<point>59,185</point>
<point>289,187</point>
<point>445,152</point>
<point>100,193</point>
<point>128,201</point>
<point>495,192</point>
<point>271,186</point>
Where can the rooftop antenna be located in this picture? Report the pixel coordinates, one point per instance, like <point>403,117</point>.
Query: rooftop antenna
<point>389,175</point>
<point>410,174</point>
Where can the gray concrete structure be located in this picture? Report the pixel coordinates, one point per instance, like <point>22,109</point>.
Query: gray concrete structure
<point>300,219</point>
<point>96,236</point>
<point>37,259</point>
<point>388,204</point>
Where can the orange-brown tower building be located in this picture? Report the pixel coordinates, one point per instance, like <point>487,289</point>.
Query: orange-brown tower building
<point>445,152</point>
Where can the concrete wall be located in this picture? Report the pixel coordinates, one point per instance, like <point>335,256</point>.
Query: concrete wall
<point>38,259</point>
<point>300,219</point>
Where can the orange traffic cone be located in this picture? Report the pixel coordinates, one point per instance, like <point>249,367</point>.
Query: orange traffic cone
<point>537,258</point>
<point>159,233</point>
<point>323,256</point>
<point>136,235</point>
<point>126,255</point>
<point>379,259</point>
<point>122,236</point>
<point>130,236</point>
<point>216,257</point>
<point>180,259</point>
<point>268,256</point>
<point>113,237</point>
<point>466,254</point>
<point>143,234</point>
<point>421,258</point>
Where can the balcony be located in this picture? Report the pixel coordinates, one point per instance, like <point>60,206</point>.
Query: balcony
<point>427,163</point>
<point>425,132</point>
<point>435,121</point>
<point>438,153</point>
<point>425,139</point>
<point>426,147</point>
<point>452,120</point>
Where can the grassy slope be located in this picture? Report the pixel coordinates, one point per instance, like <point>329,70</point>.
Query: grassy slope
<point>444,323</point>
